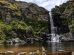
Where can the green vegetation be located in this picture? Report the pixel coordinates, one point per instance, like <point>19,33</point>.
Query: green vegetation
<point>22,20</point>
<point>65,14</point>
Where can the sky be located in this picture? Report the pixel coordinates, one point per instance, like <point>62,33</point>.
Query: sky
<point>47,4</point>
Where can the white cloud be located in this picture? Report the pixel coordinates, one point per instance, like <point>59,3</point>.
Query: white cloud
<point>47,4</point>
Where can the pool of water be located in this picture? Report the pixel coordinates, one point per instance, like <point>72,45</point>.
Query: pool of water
<point>39,48</point>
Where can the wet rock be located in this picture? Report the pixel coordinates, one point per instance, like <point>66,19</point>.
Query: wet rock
<point>2,53</point>
<point>9,53</point>
<point>22,53</point>
<point>72,53</point>
<point>33,53</point>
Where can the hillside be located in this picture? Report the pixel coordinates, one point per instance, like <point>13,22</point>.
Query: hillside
<point>21,19</point>
<point>64,16</point>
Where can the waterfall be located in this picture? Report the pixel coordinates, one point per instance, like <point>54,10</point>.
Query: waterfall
<point>51,22</point>
<point>54,36</point>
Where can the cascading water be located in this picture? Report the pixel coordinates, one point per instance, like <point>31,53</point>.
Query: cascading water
<point>51,22</point>
<point>54,36</point>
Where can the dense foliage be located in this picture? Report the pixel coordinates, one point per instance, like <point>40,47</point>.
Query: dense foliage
<point>63,16</point>
<point>21,19</point>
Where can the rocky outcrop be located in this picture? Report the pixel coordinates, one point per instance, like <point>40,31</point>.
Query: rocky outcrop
<point>21,19</point>
<point>63,16</point>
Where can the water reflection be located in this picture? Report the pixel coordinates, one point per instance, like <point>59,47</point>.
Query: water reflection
<point>49,48</point>
<point>57,47</point>
<point>63,46</point>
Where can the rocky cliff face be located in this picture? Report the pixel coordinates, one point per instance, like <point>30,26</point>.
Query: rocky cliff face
<point>21,19</point>
<point>63,16</point>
